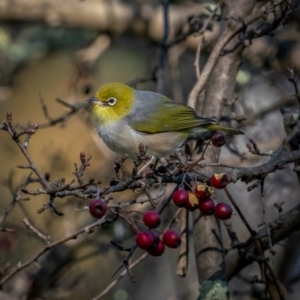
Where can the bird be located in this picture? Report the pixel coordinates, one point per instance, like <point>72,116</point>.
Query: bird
<point>125,117</point>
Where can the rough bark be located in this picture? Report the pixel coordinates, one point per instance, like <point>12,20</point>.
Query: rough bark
<point>220,86</point>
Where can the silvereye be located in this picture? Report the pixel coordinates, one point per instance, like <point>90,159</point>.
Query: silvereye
<point>125,118</point>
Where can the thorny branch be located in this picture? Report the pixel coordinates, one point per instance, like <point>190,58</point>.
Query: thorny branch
<point>58,189</point>
<point>73,109</point>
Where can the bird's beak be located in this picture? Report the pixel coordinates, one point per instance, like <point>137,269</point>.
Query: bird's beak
<point>94,100</point>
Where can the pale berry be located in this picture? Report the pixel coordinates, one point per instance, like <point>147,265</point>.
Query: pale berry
<point>203,191</point>
<point>193,202</point>
<point>219,181</point>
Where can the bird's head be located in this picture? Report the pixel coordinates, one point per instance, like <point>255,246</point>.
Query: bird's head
<point>112,102</point>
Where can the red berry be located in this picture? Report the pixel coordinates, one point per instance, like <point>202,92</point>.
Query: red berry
<point>207,206</point>
<point>171,239</point>
<point>223,211</point>
<point>157,250</point>
<point>203,191</point>
<point>144,239</point>
<point>180,198</point>
<point>152,219</point>
<point>98,208</point>
<point>219,181</point>
<point>193,202</point>
<point>218,139</point>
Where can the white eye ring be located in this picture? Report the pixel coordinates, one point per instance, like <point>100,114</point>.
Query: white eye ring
<point>111,101</point>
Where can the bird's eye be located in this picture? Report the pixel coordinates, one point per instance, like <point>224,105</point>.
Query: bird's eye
<point>111,101</point>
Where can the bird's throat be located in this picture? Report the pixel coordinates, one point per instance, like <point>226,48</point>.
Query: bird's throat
<point>104,115</point>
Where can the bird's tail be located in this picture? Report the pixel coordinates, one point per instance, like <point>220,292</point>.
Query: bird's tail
<point>215,127</point>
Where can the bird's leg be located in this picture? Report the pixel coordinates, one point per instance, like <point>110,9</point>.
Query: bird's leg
<point>147,164</point>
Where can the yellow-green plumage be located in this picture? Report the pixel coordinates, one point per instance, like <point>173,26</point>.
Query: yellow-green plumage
<point>121,108</point>
<point>125,117</point>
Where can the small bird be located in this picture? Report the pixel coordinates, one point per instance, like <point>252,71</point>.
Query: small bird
<point>125,118</point>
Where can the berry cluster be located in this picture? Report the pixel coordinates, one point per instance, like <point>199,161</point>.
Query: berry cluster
<point>150,241</point>
<point>200,199</point>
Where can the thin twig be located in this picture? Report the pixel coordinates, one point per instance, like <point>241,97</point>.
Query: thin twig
<point>236,207</point>
<point>6,229</point>
<point>125,263</point>
<point>197,57</point>
<point>256,242</point>
<point>23,148</point>
<point>253,148</point>
<point>293,79</point>
<point>45,238</point>
<point>16,196</point>
<point>21,266</point>
<point>123,273</point>
<point>133,248</point>
<point>73,108</point>
<point>262,183</point>
<point>199,46</point>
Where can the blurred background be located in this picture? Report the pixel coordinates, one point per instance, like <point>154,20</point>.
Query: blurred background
<point>66,51</point>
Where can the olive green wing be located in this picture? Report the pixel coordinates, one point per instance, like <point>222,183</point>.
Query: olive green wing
<point>156,115</point>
